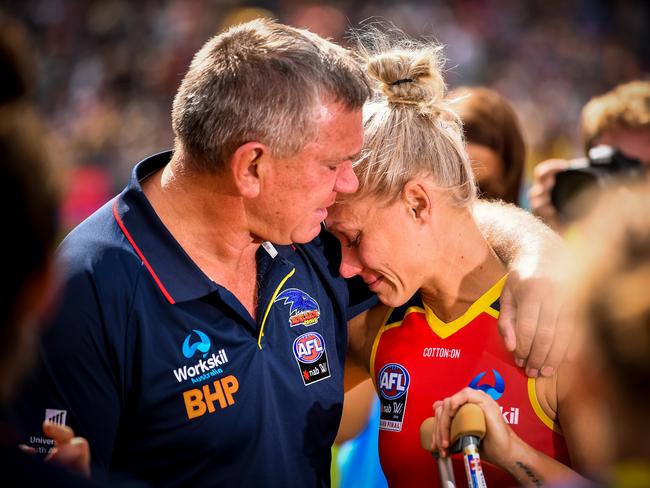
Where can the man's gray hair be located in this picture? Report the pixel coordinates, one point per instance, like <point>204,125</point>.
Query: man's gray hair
<point>261,81</point>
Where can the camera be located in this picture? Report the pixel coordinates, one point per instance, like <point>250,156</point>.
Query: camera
<point>576,187</point>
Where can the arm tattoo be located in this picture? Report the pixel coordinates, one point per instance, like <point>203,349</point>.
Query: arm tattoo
<point>532,477</point>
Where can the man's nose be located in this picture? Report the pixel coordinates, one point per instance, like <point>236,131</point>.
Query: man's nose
<point>346,180</point>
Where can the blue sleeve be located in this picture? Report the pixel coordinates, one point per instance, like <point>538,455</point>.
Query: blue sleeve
<point>361,298</point>
<point>78,378</point>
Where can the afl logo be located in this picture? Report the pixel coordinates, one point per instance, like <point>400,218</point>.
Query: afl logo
<point>393,381</point>
<point>309,347</point>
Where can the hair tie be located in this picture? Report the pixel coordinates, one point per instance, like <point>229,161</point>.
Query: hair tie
<point>405,80</point>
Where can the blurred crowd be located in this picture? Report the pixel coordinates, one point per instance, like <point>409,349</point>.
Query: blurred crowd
<point>108,69</point>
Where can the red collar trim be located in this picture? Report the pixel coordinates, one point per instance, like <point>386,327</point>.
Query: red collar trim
<point>139,253</point>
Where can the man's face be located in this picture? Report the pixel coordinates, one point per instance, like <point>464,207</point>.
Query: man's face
<point>634,143</point>
<point>295,195</point>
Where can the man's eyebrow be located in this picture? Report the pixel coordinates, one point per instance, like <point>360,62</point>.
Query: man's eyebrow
<point>353,157</point>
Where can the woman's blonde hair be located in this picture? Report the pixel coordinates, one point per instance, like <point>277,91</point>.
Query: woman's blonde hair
<point>410,128</point>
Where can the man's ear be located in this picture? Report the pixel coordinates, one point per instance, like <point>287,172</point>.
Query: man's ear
<point>417,200</point>
<point>245,166</point>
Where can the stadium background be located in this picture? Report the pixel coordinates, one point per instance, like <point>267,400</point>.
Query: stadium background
<point>108,69</point>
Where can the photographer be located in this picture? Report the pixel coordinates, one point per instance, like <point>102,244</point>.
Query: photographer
<point>619,118</point>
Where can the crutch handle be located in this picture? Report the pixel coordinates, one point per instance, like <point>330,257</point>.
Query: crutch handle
<point>426,433</point>
<point>467,430</point>
<point>469,421</point>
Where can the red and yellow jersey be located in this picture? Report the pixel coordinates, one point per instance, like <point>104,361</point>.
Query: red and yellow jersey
<point>418,359</point>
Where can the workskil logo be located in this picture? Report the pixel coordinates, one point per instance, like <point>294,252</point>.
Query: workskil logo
<point>189,350</point>
<point>207,366</point>
<point>495,391</point>
<point>303,309</point>
<point>393,381</point>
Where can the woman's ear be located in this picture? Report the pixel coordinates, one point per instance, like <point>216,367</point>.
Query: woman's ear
<point>417,200</point>
<point>245,164</point>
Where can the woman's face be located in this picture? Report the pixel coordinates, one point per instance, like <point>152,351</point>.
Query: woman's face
<point>487,166</point>
<point>381,244</point>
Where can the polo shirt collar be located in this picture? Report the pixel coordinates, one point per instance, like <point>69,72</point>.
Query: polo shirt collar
<point>177,276</point>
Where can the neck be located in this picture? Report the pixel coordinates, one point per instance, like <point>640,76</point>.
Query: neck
<point>464,267</point>
<point>206,216</point>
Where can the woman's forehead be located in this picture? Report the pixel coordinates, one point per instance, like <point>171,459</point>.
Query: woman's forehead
<point>351,213</point>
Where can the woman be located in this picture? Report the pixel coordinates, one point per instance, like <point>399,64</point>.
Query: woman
<point>494,141</point>
<point>410,235</point>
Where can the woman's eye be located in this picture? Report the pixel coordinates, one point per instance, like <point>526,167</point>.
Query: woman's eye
<point>355,242</point>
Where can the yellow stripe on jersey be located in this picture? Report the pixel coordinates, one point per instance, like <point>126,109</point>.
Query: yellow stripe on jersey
<point>268,307</point>
<point>382,328</point>
<point>539,411</point>
<point>483,304</point>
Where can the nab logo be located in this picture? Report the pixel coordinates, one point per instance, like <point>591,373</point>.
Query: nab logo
<point>495,391</point>
<point>309,347</point>
<point>189,350</point>
<point>303,309</point>
<point>393,381</point>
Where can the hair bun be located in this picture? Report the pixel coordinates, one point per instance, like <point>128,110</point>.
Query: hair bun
<point>409,76</point>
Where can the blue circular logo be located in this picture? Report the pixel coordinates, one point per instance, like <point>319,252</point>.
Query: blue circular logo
<point>309,347</point>
<point>393,381</point>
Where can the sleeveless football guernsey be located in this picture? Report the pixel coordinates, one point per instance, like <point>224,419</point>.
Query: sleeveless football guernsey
<point>418,359</point>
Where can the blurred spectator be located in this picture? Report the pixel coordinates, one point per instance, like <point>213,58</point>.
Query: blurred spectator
<point>494,142</point>
<point>619,118</point>
<point>612,293</point>
<point>109,68</point>
<point>30,196</point>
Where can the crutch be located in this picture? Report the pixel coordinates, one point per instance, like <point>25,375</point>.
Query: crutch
<point>467,430</point>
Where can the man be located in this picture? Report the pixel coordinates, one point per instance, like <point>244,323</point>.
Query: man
<point>188,348</point>
<point>619,118</point>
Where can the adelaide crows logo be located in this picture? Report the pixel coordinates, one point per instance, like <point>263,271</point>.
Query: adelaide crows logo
<point>495,391</point>
<point>303,309</point>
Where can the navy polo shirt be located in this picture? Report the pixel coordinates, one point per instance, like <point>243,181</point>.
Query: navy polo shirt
<point>167,374</point>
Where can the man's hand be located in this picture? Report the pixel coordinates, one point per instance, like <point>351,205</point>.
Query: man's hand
<point>535,321</point>
<point>69,451</point>
<point>539,194</point>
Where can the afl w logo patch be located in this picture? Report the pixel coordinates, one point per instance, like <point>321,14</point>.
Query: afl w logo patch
<point>303,309</point>
<point>393,384</point>
<point>309,351</point>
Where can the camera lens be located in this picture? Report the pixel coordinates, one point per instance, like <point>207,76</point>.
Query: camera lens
<point>570,193</point>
